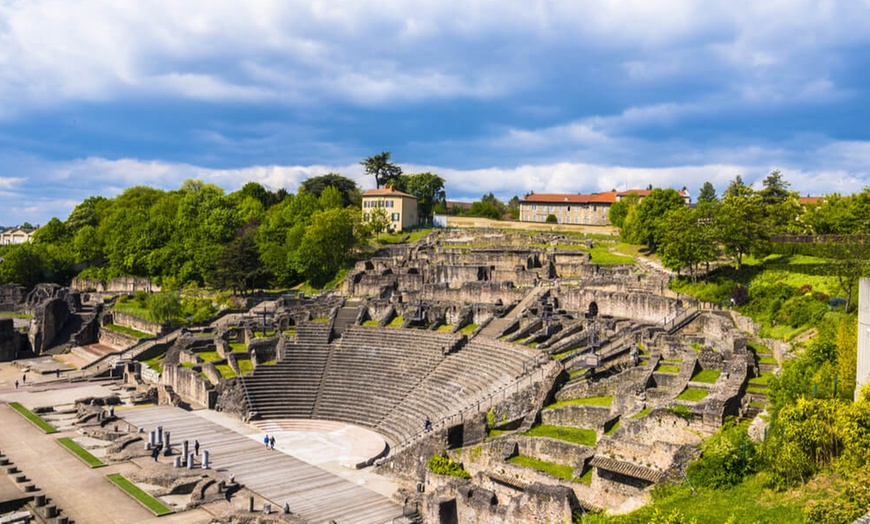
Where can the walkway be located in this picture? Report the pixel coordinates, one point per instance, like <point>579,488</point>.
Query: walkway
<point>313,493</point>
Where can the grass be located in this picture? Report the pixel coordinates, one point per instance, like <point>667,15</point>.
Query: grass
<point>239,347</point>
<point>137,493</point>
<point>693,394</point>
<point>132,309</point>
<point>585,437</point>
<point>707,376</point>
<point>602,255</point>
<point>667,369</point>
<point>124,330</point>
<point>756,389</point>
<point>642,413</point>
<point>767,360</point>
<point>557,470</point>
<point>762,379</point>
<point>320,320</point>
<point>370,323</point>
<point>81,452</point>
<point>588,401</point>
<point>245,365</point>
<point>10,314</point>
<point>33,418</point>
<point>445,328</point>
<point>746,502</point>
<point>396,322</point>
<point>225,370</point>
<point>612,429</point>
<point>209,356</point>
<point>155,363</point>
<point>586,478</point>
<point>259,333</point>
<point>468,329</point>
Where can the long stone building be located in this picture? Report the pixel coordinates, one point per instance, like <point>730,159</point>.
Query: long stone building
<point>582,209</point>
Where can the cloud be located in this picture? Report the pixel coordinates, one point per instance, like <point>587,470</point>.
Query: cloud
<point>394,51</point>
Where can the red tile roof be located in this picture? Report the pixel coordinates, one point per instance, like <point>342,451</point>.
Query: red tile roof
<point>804,200</point>
<point>606,197</point>
<point>387,192</point>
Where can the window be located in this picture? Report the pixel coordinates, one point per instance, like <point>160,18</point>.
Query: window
<point>390,203</point>
<point>395,217</point>
<point>534,207</point>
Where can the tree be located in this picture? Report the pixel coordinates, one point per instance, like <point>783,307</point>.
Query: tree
<point>513,207</point>
<point>488,207</point>
<point>54,231</point>
<point>164,306</point>
<point>327,244</point>
<point>739,224</point>
<point>707,194</point>
<point>850,260</point>
<point>686,240</point>
<point>379,220</point>
<point>380,167</point>
<point>429,190</point>
<point>775,189</point>
<point>238,267</point>
<point>619,210</point>
<point>330,198</point>
<point>350,194</point>
<point>646,224</point>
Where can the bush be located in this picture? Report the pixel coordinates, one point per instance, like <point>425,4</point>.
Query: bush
<point>722,458</point>
<point>441,465</point>
<point>551,219</point>
<point>801,310</point>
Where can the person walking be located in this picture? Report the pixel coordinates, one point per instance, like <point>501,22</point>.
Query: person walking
<point>16,383</point>
<point>272,442</point>
<point>196,447</point>
<point>266,441</point>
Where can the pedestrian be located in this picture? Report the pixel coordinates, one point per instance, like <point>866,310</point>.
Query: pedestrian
<point>196,447</point>
<point>272,442</point>
<point>16,383</point>
<point>57,373</point>
<point>427,425</point>
<point>266,441</point>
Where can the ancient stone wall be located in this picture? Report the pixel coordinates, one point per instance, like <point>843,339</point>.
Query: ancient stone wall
<point>11,297</point>
<point>189,385</point>
<point>11,341</point>
<point>553,450</point>
<point>118,340</point>
<point>577,416</point>
<point>120,285</point>
<point>637,306</point>
<point>121,318</point>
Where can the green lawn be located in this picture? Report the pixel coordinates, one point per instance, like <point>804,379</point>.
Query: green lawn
<point>612,429</point>
<point>225,370</point>
<point>557,470</point>
<point>642,413</point>
<point>588,401</point>
<point>586,478</point>
<point>667,369</point>
<point>693,394</point>
<point>586,437</point>
<point>764,378</point>
<point>320,320</point>
<point>767,360</point>
<point>124,330</point>
<point>708,376</point>
<point>746,502</point>
<point>468,329</point>
<point>141,496</point>
<point>602,255</point>
<point>371,323</point>
<point>445,328</point>
<point>156,363</point>
<point>81,452</point>
<point>129,307</point>
<point>10,314</point>
<point>240,347</point>
<point>396,322</point>
<point>209,356</point>
<point>33,418</point>
<point>245,365</point>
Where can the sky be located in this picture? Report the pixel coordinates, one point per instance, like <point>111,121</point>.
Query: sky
<point>499,96</point>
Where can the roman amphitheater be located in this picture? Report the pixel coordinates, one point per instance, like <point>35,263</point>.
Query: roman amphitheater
<point>481,346</point>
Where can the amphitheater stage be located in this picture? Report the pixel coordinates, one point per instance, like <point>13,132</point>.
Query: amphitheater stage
<point>318,491</point>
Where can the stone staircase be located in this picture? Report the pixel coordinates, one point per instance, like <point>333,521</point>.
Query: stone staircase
<point>497,326</point>
<point>345,317</point>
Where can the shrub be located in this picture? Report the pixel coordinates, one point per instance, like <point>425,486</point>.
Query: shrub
<point>722,458</point>
<point>441,465</point>
<point>801,310</point>
<point>551,219</point>
<point>739,296</point>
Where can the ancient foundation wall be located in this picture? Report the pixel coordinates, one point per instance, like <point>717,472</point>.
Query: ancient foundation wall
<point>189,385</point>
<point>121,318</point>
<point>637,306</point>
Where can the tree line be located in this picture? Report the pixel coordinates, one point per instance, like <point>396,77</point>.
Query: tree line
<point>742,221</point>
<point>251,238</point>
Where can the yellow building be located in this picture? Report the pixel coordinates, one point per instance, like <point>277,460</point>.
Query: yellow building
<point>400,208</point>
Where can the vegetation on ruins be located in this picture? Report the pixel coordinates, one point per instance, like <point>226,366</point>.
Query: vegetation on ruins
<point>442,465</point>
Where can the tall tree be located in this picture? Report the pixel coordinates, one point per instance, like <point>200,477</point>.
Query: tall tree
<point>646,224</point>
<point>775,189</point>
<point>707,194</point>
<point>381,168</point>
<point>350,195</point>
<point>238,267</point>
<point>429,190</point>
<point>740,222</point>
<point>619,210</point>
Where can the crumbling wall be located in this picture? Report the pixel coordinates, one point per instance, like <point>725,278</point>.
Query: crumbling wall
<point>189,385</point>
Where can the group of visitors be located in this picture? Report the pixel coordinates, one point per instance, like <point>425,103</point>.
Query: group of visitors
<point>269,441</point>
